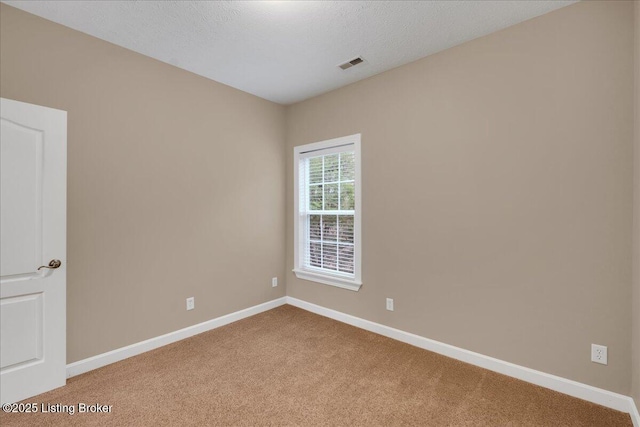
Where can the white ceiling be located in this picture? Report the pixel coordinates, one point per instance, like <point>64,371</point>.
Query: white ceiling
<point>287,51</point>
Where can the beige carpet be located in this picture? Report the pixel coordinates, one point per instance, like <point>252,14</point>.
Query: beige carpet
<point>291,367</point>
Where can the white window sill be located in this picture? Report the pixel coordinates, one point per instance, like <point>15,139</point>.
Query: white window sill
<point>350,284</point>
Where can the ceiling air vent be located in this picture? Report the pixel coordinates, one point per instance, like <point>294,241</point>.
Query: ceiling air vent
<point>349,64</point>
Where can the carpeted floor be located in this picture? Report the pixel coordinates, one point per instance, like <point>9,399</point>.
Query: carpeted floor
<point>291,367</point>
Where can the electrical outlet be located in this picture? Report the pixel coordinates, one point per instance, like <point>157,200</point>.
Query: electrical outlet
<point>599,354</point>
<point>274,282</point>
<point>390,304</point>
<point>191,303</point>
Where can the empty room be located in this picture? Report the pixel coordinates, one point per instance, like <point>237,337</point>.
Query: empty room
<point>320,213</point>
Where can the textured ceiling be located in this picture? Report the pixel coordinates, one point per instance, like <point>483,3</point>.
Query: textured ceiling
<point>287,51</point>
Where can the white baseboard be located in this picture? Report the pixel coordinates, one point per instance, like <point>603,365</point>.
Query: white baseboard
<point>553,382</point>
<point>572,388</point>
<point>86,365</point>
<point>635,415</point>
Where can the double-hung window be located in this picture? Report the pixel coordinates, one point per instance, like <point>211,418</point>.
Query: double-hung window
<point>327,212</point>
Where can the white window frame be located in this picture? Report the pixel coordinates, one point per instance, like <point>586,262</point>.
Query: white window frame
<point>328,278</point>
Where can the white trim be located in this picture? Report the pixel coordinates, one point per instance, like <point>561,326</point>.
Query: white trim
<point>335,142</point>
<point>572,388</point>
<point>635,416</point>
<point>335,145</point>
<point>345,146</point>
<point>91,363</point>
<point>349,284</point>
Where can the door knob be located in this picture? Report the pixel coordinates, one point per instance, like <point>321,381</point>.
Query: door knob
<point>53,264</point>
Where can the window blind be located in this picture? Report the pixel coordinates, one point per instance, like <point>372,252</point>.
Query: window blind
<point>327,210</point>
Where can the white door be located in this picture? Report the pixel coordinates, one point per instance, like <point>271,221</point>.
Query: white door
<point>33,197</point>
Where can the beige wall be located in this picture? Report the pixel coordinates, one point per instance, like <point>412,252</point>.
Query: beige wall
<point>497,190</point>
<point>636,220</point>
<point>497,193</point>
<point>175,184</point>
